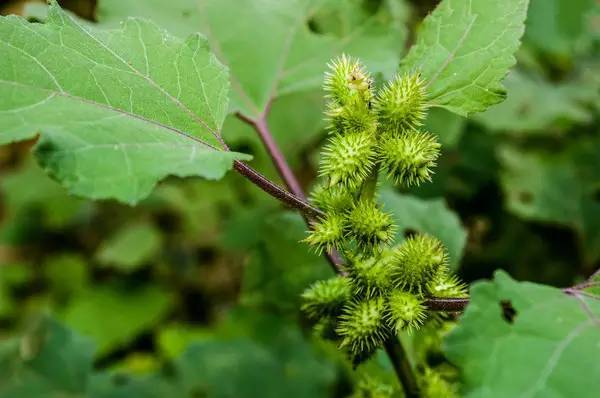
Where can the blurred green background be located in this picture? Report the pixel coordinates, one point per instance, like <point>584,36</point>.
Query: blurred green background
<point>195,291</point>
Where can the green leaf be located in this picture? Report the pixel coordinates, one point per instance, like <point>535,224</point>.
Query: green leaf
<point>536,106</point>
<point>280,267</point>
<point>448,126</point>
<point>113,316</point>
<point>49,361</point>
<point>561,28</point>
<point>268,46</point>
<point>547,348</point>
<point>255,355</point>
<point>431,216</point>
<point>558,187</point>
<point>464,49</point>
<point>130,247</point>
<point>116,110</point>
<point>67,274</point>
<point>33,202</point>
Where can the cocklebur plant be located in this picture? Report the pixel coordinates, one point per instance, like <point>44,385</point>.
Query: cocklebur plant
<point>382,291</point>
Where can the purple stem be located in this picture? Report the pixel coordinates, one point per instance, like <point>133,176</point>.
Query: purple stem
<point>289,178</point>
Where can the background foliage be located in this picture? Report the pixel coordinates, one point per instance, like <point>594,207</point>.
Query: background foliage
<point>194,292</point>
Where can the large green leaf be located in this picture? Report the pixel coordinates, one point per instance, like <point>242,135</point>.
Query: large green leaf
<point>464,49</point>
<point>558,187</point>
<point>253,354</point>
<point>547,348</point>
<point>49,361</point>
<point>33,202</point>
<point>268,44</point>
<point>117,110</point>
<point>561,27</point>
<point>113,316</point>
<point>536,106</point>
<point>280,267</point>
<point>431,216</point>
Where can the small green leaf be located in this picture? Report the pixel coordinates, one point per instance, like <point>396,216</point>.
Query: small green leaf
<point>464,49</point>
<point>113,316</point>
<point>130,246</point>
<point>545,345</point>
<point>116,110</point>
<point>431,216</point>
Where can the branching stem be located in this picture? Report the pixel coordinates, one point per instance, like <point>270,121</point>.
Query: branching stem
<point>297,199</point>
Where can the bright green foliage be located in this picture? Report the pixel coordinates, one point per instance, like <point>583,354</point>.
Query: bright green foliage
<point>361,326</point>
<point>417,261</point>
<point>283,56</point>
<point>406,311</point>
<point>125,107</point>
<point>401,105</point>
<point>368,225</point>
<point>369,387</point>
<point>326,297</point>
<point>547,347</point>
<point>464,49</point>
<point>409,157</point>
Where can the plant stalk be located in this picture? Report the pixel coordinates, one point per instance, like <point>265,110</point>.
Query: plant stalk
<point>297,199</point>
<point>402,367</point>
<point>290,180</point>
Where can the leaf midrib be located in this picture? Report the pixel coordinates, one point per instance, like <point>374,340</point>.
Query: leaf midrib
<point>113,109</point>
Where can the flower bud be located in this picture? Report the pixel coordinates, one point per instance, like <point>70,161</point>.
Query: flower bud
<point>409,157</point>
<point>446,285</point>
<point>326,298</point>
<point>368,225</point>
<point>401,104</point>
<point>348,159</point>
<point>417,261</point>
<point>405,311</point>
<point>331,199</point>
<point>326,233</point>
<point>347,80</point>
<point>370,276</point>
<point>361,326</point>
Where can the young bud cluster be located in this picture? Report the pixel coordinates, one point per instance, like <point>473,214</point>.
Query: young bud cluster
<point>417,261</point>
<point>384,289</point>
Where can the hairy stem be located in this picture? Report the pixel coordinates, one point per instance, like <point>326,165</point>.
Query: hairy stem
<point>276,191</point>
<point>297,198</point>
<point>286,173</point>
<point>288,177</point>
<point>311,212</point>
